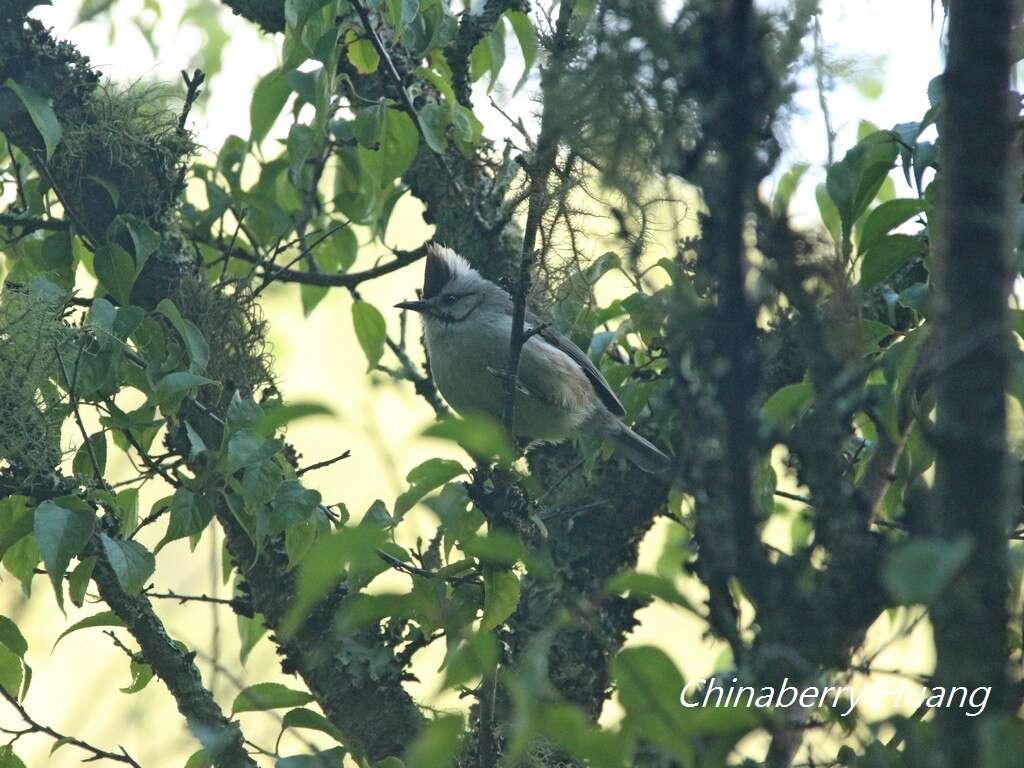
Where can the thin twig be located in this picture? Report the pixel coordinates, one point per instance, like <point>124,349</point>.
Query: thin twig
<point>172,595</point>
<point>396,79</point>
<point>795,497</point>
<point>192,86</point>
<point>36,727</point>
<point>344,280</point>
<point>547,151</point>
<point>324,463</point>
<point>17,176</point>
<point>72,380</point>
<point>423,384</point>
<point>413,570</point>
<point>270,275</point>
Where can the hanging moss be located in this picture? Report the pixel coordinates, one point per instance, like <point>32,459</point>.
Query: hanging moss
<point>121,152</point>
<point>233,325</point>
<point>32,409</point>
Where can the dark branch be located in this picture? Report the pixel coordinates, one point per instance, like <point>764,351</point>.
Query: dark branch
<point>36,727</point>
<point>222,738</point>
<point>539,170</point>
<point>345,280</point>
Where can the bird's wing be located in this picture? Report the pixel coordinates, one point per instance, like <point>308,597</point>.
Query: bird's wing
<point>564,344</point>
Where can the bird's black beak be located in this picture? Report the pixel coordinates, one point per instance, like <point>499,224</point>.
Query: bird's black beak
<point>415,306</point>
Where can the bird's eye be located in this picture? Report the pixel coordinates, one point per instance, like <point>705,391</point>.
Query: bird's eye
<point>450,298</point>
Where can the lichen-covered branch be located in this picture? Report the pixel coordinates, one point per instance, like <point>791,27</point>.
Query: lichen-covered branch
<point>221,738</point>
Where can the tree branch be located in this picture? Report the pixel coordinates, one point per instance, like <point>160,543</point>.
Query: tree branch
<point>344,280</point>
<point>222,738</point>
<point>539,171</point>
<point>974,487</point>
<point>36,727</point>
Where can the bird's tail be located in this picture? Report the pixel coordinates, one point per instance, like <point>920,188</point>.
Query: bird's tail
<point>637,449</point>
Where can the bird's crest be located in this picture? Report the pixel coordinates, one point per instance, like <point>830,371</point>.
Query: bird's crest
<point>442,265</point>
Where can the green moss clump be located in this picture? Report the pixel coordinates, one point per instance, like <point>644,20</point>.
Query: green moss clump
<point>233,325</point>
<point>122,152</point>
<point>32,408</point>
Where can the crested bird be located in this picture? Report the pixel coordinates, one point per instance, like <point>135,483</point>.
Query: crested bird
<point>468,327</point>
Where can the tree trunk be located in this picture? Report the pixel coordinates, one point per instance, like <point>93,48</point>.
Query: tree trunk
<point>973,480</point>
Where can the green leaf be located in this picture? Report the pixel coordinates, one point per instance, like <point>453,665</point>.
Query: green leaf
<point>294,503</point>
<point>400,144</point>
<point>15,521</point>
<point>527,37</point>
<point>649,687</point>
<point>109,187</point>
<point>328,758</point>
<point>260,481</point>
<point>473,657</point>
<point>368,127</point>
<point>649,585</point>
<point>8,759</point>
<point>277,415</point>
<point>480,436</point>
<point>268,99</point>
<point>246,448</point>
<point>496,548</point>
<point>11,671</point>
<point>371,331</point>
<point>886,256</point>
<point>190,514</point>
<point>854,181</point>
<point>78,581</point>
<point>829,213</point>
<point>173,387</point>
<point>918,571</point>
<point>488,56</point>
<point>23,556</point>
<point>647,313</point>
<point>1002,737</point>
<point>443,83</point>
<point>128,510</point>
<point>361,52</point>
<point>40,109</point>
<point>263,696</point>
<point>321,569</point>
<point>569,728</point>
<point>145,240</point>
<point>198,348</point>
<point>199,759</point>
<point>133,564</point>
<point>501,596</point>
<point>434,120</point>
<point>82,464</point>
<point>101,619</point>
<point>115,270</point>
<point>787,186</point>
<point>141,673</point>
<point>242,413</point>
<point>887,217</point>
<point>11,637</point>
<point>62,527</point>
<point>429,475</point>
<point>437,744</point>
<point>307,718</point>
<point>786,403</point>
<point>250,630</point>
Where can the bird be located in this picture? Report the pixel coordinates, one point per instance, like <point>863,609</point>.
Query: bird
<point>467,323</point>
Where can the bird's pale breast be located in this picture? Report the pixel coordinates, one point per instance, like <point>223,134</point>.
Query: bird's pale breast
<point>468,361</point>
